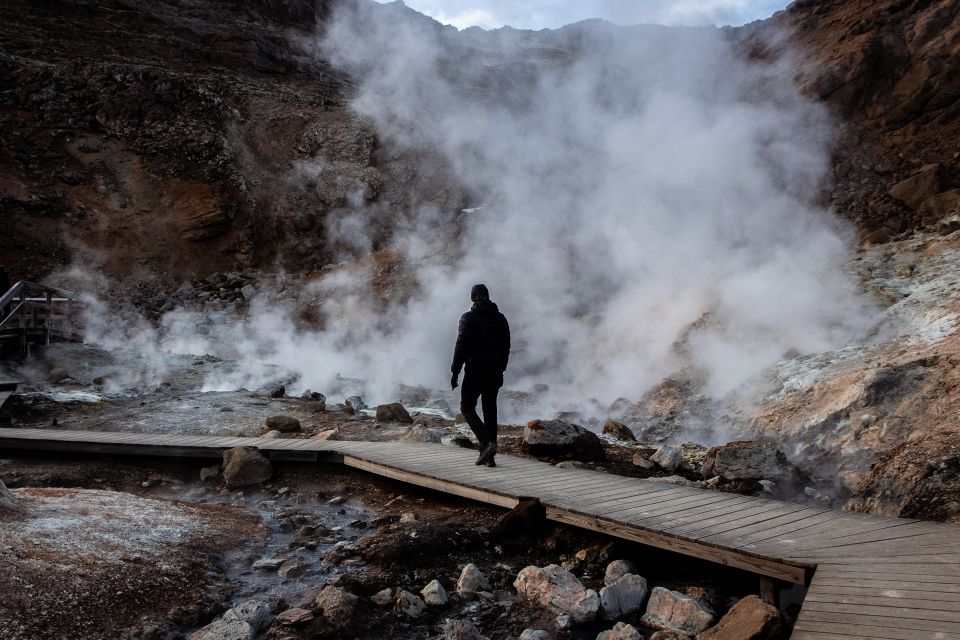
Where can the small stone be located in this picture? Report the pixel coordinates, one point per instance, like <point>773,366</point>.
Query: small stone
<point>625,596</point>
<point>355,404</point>
<point>268,564</point>
<point>337,500</point>
<point>294,616</point>
<point>621,631</point>
<point>471,581</point>
<point>256,613</point>
<point>278,391</point>
<point>291,569</point>
<point>383,597</point>
<point>57,374</point>
<point>272,433</point>
<point>644,463</point>
<point>619,431</point>
<point>563,622</point>
<point>616,570</point>
<point>434,594</point>
<point>462,630</point>
<point>221,629</point>
<point>409,605</point>
<point>283,424</point>
<point>328,434</point>
<point>420,433</point>
<point>534,634</point>
<point>408,518</point>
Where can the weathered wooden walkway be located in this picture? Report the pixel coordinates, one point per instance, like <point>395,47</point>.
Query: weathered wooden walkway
<point>868,577</point>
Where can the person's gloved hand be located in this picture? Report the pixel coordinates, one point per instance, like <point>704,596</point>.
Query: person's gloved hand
<point>454,383</point>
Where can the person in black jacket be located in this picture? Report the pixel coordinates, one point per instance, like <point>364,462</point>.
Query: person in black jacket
<point>483,345</point>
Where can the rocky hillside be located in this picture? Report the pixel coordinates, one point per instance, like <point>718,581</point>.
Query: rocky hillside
<point>162,140</point>
<point>170,140</point>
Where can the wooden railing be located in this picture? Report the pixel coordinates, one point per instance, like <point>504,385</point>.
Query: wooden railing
<point>35,314</point>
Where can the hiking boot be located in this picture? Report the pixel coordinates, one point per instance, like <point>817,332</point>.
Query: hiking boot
<point>491,462</point>
<point>486,456</point>
<point>481,460</point>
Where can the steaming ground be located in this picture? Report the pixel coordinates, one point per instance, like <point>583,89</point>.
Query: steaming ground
<point>642,206</point>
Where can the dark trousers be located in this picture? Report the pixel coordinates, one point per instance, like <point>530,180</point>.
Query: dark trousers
<point>484,385</point>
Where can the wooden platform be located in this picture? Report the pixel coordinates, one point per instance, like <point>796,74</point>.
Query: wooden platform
<point>868,577</point>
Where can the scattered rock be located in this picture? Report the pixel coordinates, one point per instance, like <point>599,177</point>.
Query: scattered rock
<point>558,439</point>
<point>569,464</point>
<point>616,570</point>
<point>419,433</point>
<point>209,473</point>
<point>623,597</point>
<point>535,634</point>
<point>434,594</point>
<point>408,518</point>
<point>355,404</point>
<point>462,630</point>
<point>248,291</point>
<point>527,518</point>
<point>268,564</point>
<point>221,629</point>
<point>409,605</point>
<point>621,631</point>
<point>244,466</point>
<point>750,619</point>
<point>278,391</point>
<point>9,503</point>
<point>337,605</point>
<point>383,597</point>
<point>673,611</point>
<point>749,460</point>
<point>471,581</point>
<point>393,412</point>
<point>670,635</point>
<point>283,424</point>
<point>639,460</point>
<point>271,433</point>
<point>291,569</point>
<point>294,616</point>
<point>328,434</point>
<point>256,613</point>
<point>559,591</point>
<point>668,458</point>
<point>619,431</point>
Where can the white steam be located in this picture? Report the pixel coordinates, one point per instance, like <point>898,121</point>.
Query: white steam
<point>631,181</point>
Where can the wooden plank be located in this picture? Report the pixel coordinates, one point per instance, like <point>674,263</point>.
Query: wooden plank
<point>913,604</point>
<point>805,629</point>
<point>816,611</point>
<point>430,483</point>
<point>663,541</point>
<point>885,589</point>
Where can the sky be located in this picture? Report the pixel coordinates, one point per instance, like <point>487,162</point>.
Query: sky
<point>550,14</point>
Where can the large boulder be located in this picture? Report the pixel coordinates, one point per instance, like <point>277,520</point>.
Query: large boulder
<point>675,611</point>
<point>244,466</point>
<point>283,424</point>
<point>621,631</point>
<point>623,597</point>
<point>749,460</point>
<point>221,629</point>
<point>668,458</point>
<point>393,412</point>
<point>616,570</point>
<point>256,613</point>
<point>557,590</point>
<point>559,439</point>
<point>750,619</point>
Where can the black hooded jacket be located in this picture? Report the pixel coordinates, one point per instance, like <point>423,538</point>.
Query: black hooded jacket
<point>483,339</point>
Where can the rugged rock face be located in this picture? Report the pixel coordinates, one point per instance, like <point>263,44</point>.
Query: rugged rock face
<point>559,591</point>
<point>244,466</point>
<point>750,619</point>
<point>130,141</point>
<point>559,439</point>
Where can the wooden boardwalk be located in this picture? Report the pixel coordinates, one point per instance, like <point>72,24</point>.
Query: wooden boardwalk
<point>869,577</point>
